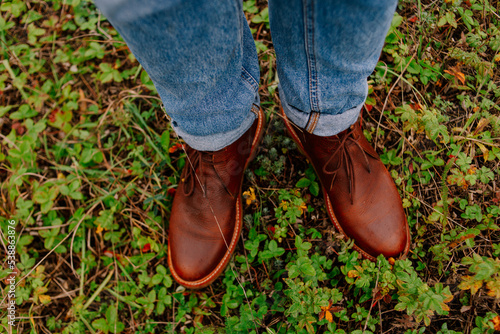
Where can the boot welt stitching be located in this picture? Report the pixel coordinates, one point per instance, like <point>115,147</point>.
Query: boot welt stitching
<point>222,264</point>
<point>327,198</point>
<point>239,208</point>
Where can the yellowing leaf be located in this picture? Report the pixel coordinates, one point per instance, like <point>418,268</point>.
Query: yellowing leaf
<point>352,273</point>
<point>468,283</point>
<point>472,170</point>
<point>444,307</point>
<point>44,299</point>
<point>494,288</point>
<point>99,229</point>
<point>303,208</point>
<point>486,152</point>
<point>40,269</point>
<point>481,125</point>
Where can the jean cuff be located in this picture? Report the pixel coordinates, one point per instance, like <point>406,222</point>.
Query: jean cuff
<point>219,140</point>
<point>323,124</point>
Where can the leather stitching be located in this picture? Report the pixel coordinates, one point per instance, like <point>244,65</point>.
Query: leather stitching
<point>327,198</point>
<point>239,208</point>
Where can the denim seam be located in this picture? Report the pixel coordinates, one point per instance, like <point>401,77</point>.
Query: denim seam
<point>249,79</point>
<point>311,61</point>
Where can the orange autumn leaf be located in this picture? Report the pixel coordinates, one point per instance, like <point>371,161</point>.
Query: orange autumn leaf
<point>99,229</point>
<point>327,311</point>
<point>303,208</point>
<point>328,316</point>
<point>496,323</point>
<point>457,74</point>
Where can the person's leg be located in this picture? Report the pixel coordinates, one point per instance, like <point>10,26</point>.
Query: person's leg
<point>325,52</point>
<point>202,59</point>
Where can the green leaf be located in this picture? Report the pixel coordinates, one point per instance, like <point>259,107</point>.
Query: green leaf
<point>314,188</point>
<point>5,25</point>
<point>101,324</point>
<point>303,182</point>
<point>23,112</point>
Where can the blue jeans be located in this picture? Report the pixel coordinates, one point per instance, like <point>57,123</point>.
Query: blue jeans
<point>202,59</point>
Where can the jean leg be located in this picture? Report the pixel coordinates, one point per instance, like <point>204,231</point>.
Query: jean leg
<point>202,59</point>
<point>326,49</point>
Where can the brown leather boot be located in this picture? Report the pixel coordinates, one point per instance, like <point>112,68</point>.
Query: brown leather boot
<point>206,217</point>
<point>360,195</point>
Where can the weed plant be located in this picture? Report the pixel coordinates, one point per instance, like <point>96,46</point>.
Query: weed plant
<point>89,166</point>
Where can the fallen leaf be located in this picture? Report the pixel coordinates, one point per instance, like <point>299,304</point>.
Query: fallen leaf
<point>481,124</point>
<point>109,253</point>
<point>496,323</point>
<point>464,309</point>
<point>455,71</point>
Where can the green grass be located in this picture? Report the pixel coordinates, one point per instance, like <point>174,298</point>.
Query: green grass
<point>89,166</point>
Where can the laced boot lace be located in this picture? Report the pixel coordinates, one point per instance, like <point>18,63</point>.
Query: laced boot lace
<point>198,161</point>
<point>342,154</point>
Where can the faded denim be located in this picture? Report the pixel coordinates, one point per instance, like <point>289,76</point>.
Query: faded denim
<point>203,62</point>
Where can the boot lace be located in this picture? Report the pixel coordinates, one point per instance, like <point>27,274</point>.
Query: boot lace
<point>199,161</point>
<point>342,154</point>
